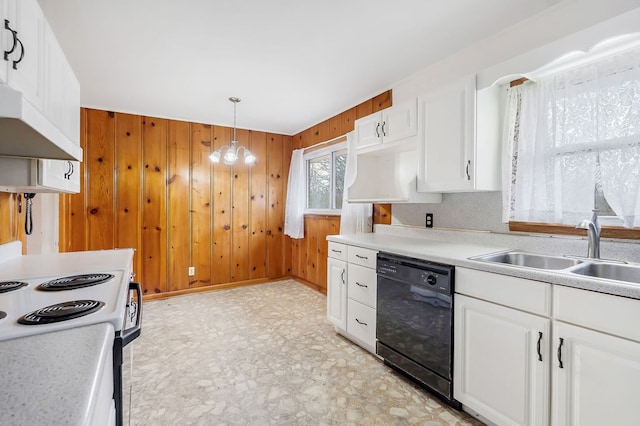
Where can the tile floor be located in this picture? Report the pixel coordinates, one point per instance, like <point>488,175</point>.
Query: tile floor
<point>265,355</point>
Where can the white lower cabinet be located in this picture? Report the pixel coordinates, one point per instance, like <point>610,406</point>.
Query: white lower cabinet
<point>596,378</point>
<point>351,293</point>
<point>501,362</point>
<point>337,292</point>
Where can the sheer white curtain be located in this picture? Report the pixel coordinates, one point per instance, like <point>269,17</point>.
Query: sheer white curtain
<point>355,218</point>
<point>296,196</point>
<point>571,134</point>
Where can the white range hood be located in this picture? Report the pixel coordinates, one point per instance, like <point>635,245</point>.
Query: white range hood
<point>26,132</point>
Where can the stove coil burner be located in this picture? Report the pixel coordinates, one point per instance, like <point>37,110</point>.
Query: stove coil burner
<point>61,312</point>
<point>75,281</point>
<point>7,286</point>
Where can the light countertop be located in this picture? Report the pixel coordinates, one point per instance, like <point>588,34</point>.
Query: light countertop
<point>53,378</point>
<point>458,253</point>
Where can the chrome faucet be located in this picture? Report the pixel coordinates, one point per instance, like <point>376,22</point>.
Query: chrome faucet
<point>593,233</point>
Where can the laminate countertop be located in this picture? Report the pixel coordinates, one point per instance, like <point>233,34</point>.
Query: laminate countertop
<point>459,254</point>
<point>53,378</point>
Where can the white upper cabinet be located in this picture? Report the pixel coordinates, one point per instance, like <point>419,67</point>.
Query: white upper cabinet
<point>31,175</point>
<point>390,125</point>
<point>62,97</point>
<point>23,38</point>
<point>39,93</point>
<point>459,147</point>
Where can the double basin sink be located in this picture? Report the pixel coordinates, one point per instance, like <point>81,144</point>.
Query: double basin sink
<point>593,268</point>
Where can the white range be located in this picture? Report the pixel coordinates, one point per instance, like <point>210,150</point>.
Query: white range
<point>52,292</point>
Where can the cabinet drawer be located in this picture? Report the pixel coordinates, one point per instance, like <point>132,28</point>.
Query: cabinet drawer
<point>362,256</point>
<point>615,315</point>
<point>361,322</point>
<point>337,251</point>
<point>362,284</point>
<point>526,295</point>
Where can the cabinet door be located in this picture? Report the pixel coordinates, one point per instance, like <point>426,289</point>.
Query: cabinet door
<point>28,77</point>
<point>446,151</point>
<point>399,122</point>
<point>337,293</point>
<point>497,366</point>
<point>368,130</point>
<point>599,381</point>
<point>59,175</point>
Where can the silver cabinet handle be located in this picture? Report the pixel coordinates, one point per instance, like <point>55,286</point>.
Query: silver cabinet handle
<point>361,285</point>
<point>342,277</point>
<point>360,322</point>
<point>468,165</point>
<point>383,132</point>
<point>361,257</point>
<point>336,251</point>
<point>538,345</point>
<point>378,130</point>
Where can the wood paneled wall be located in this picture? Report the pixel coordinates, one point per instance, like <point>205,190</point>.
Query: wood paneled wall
<point>12,228</point>
<point>149,184</point>
<point>309,255</point>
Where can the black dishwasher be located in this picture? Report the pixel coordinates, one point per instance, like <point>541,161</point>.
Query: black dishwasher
<point>415,321</point>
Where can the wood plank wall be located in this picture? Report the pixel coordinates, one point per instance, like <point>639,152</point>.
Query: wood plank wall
<point>149,184</point>
<point>12,228</point>
<point>309,255</point>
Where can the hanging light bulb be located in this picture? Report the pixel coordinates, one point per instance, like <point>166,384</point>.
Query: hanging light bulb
<point>231,155</point>
<point>231,152</point>
<point>215,156</point>
<point>249,158</point>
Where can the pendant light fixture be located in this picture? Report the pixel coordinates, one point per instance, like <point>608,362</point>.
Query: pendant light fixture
<point>229,154</point>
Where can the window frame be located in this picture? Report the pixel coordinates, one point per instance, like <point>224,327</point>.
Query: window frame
<point>330,150</point>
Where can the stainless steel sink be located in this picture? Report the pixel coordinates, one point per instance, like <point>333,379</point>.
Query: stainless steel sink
<point>610,271</point>
<point>530,260</point>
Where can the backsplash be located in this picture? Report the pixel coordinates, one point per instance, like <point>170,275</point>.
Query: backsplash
<point>476,218</point>
<point>481,211</point>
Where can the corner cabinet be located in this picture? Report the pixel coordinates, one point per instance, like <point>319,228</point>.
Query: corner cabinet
<point>351,293</point>
<point>459,146</point>
<point>596,359</point>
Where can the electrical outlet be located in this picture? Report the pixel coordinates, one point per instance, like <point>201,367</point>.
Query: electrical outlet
<point>192,271</point>
<point>429,220</point>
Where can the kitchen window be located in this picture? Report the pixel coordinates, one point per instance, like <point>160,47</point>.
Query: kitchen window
<point>325,179</point>
<point>574,141</point>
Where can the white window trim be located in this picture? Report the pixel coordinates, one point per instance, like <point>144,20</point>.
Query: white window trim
<point>315,154</point>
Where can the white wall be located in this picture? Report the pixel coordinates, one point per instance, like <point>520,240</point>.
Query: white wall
<point>570,25</point>
<point>44,238</point>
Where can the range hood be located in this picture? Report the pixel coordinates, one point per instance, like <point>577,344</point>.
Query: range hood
<point>26,132</point>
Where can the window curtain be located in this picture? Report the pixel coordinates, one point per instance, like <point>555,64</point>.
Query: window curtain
<point>296,196</point>
<point>355,218</point>
<point>571,134</point>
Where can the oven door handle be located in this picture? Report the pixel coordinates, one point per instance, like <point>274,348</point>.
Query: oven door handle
<point>133,332</point>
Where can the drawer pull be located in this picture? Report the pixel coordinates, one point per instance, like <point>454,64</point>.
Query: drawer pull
<point>362,257</point>
<point>342,276</point>
<point>361,285</point>
<point>539,341</point>
<point>336,251</point>
<point>360,322</point>
<point>560,353</point>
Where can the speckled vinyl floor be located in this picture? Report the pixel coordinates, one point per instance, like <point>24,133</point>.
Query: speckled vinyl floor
<point>265,354</point>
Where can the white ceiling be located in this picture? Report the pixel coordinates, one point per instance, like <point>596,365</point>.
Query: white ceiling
<point>294,63</point>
